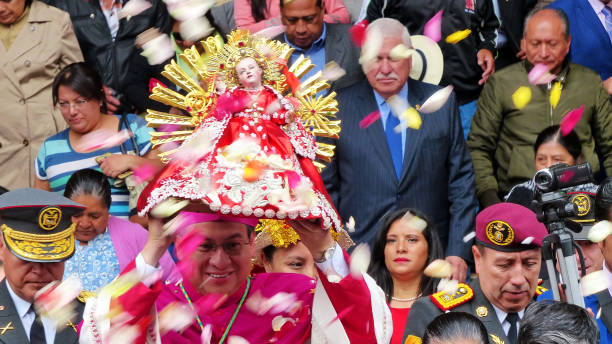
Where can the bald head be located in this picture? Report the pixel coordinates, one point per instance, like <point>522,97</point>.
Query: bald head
<point>546,39</point>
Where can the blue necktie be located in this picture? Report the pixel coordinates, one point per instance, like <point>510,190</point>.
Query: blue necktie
<point>607,12</point>
<point>394,140</point>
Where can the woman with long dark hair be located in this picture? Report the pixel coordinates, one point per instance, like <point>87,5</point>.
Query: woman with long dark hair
<point>399,257</point>
<point>256,15</point>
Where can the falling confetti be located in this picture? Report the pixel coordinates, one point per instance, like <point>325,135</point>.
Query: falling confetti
<point>410,118</point>
<point>400,52</point>
<point>566,176</point>
<point>168,207</point>
<point>539,75</point>
<point>271,32</point>
<point>101,139</point>
<point>600,231</point>
<point>369,119</point>
<point>237,340</point>
<point>439,268</point>
<point>370,49</point>
<point>350,225</point>
<point>332,71</point>
<point>156,46</point>
<point>448,286</point>
<point>570,120</point>
<point>594,282</point>
<point>132,8</point>
<point>468,237</point>
<point>360,260</point>
<point>433,27</point>
<point>555,94</point>
<point>527,240</point>
<point>206,336</point>
<point>253,170</point>
<point>144,172</point>
<point>279,321</point>
<point>436,100</point>
<point>414,222</point>
<point>458,36</point>
<point>195,28</point>
<point>341,314</point>
<point>175,317</point>
<point>56,300</point>
<point>521,97</point>
<point>358,32</point>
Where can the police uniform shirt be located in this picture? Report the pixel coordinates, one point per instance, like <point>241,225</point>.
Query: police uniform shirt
<point>27,318</point>
<point>501,315</point>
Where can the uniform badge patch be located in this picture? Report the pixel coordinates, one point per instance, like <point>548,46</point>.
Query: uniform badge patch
<point>583,202</point>
<point>500,233</point>
<point>482,311</point>
<point>49,218</point>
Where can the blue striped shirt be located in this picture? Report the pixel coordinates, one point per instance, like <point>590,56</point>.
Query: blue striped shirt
<point>57,161</point>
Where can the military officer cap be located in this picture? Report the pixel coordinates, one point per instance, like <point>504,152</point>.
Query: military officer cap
<point>585,203</point>
<point>36,225</point>
<point>509,227</point>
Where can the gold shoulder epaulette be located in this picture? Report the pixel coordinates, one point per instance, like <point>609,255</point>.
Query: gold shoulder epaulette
<point>84,295</point>
<point>446,301</point>
<point>540,290</point>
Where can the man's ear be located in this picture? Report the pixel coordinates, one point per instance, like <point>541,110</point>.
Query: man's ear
<point>477,257</point>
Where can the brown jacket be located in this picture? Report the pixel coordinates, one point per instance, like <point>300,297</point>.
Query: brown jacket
<point>44,46</point>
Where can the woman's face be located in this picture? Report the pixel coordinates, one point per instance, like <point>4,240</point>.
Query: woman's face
<point>406,251</point>
<point>249,73</point>
<point>550,153</point>
<point>91,222</point>
<point>295,259</point>
<point>81,114</point>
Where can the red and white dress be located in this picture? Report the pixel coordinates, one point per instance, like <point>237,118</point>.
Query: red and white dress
<point>263,129</point>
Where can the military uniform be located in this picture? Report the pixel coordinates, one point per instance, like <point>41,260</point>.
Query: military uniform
<point>36,227</point>
<point>505,227</point>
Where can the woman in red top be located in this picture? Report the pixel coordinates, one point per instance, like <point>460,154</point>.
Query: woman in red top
<point>399,256</point>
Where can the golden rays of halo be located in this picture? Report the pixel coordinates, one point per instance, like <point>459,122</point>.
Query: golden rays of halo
<point>318,113</point>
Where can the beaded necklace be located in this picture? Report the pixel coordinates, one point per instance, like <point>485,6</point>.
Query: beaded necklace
<point>231,322</point>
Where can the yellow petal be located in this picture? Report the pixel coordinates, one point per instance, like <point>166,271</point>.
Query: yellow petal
<point>555,94</point>
<point>400,52</point>
<point>455,37</point>
<point>439,268</point>
<point>412,118</point>
<point>521,97</point>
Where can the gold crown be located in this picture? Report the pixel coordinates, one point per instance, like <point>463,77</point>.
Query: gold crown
<point>275,232</point>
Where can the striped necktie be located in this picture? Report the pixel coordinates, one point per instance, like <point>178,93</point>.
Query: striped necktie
<point>607,12</point>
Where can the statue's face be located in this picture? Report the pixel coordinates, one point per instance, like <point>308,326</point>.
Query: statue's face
<point>249,73</point>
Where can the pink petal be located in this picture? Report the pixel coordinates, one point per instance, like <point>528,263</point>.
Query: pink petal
<point>433,28</point>
<point>358,32</point>
<point>538,71</point>
<point>144,172</point>
<point>369,119</point>
<point>188,243</point>
<point>271,32</point>
<point>341,314</point>
<point>294,178</point>
<point>566,176</point>
<point>570,120</point>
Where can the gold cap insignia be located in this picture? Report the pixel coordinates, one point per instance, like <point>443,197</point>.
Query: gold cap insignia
<point>49,218</point>
<point>583,202</point>
<point>482,311</point>
<point>500,233</point>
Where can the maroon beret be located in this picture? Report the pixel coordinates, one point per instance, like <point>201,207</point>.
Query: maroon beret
<point>509,227</point>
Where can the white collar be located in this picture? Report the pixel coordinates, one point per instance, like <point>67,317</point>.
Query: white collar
<point>501,315</point>
<point>22,306</point>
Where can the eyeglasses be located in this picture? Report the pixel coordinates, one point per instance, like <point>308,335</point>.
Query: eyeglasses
<point>231,248</point>
<point>77,104</point>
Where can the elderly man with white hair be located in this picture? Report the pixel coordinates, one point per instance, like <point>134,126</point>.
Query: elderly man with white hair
<point>387,165</point>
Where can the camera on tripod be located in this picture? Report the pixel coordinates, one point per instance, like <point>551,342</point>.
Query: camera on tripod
<point>551,204</point>
<point>553,208</point>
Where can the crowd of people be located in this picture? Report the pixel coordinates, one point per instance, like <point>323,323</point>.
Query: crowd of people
<point>265,247</point>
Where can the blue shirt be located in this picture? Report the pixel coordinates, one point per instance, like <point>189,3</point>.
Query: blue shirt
<point>591,302</point>
<point>385,111</point>
<point>316,53</point>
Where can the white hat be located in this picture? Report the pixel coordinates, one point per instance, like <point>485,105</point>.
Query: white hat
<point>427,60</point>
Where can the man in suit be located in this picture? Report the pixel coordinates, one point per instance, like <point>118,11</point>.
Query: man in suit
<point>37,237</point>
<point>309,35</point>
<point>376,170</point>
<point>591,31</point>
<point>507,255</point>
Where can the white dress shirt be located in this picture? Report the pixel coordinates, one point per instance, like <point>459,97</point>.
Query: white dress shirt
<point>501,315</point>
<point>27,319</point>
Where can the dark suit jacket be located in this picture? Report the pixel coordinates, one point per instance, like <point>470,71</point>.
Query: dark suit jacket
<point>437,176</point>
<point>512,15</point>
<point>340,48</point>
<point>8,313</point>
<point>424,311</point>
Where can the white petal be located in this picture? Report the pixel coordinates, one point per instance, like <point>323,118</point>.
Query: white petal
<point>400,52</point>
<point>594,282</point>
<point>469,236</point>
<point>350,225</point>
<point>133,7</point>
<point>600,231</point>
<point>195,29</point>
<point>436,100</point>
<point>237,340</point>
<point>448,286</point>
<point>439,268</point>
<point>168,207</point>
<point>360,260</point>
<point>332,71</point>
<point>527,241</point>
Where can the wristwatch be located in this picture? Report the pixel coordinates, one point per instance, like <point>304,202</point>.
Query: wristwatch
<point>328,253</point>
